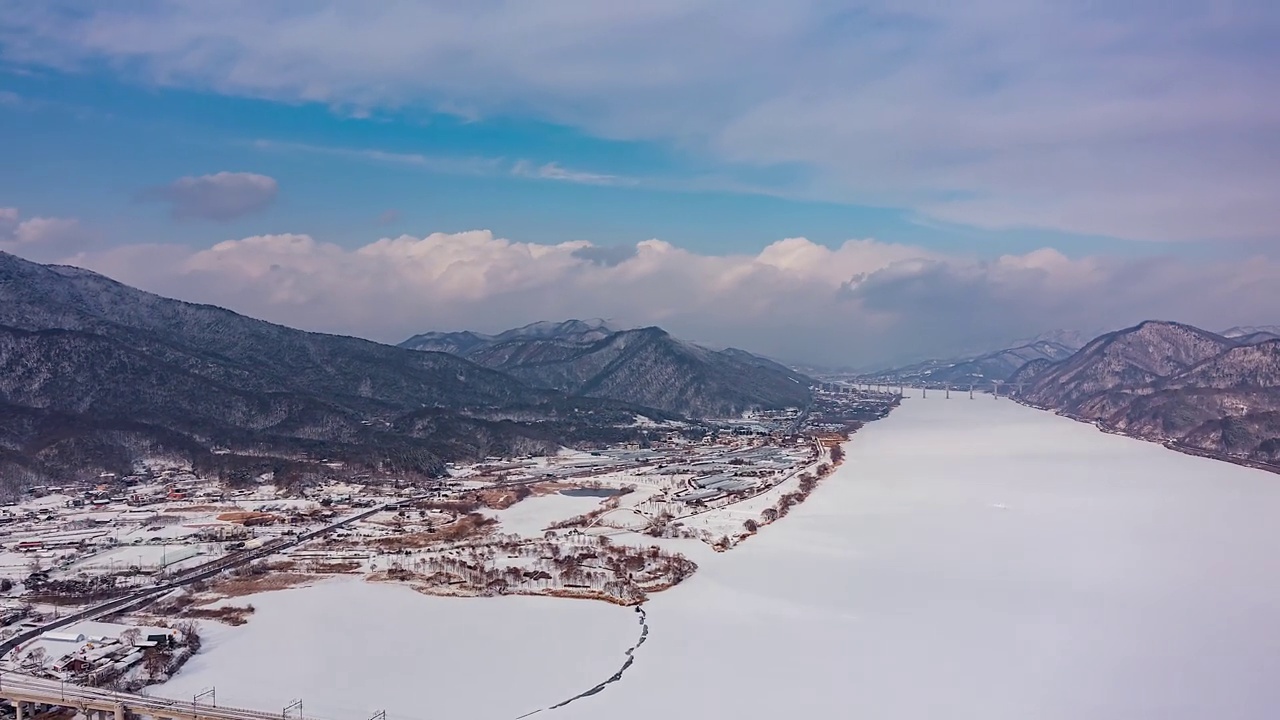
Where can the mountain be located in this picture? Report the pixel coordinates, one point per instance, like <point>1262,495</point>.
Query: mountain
<point>982,369</point>
<point>461,343</point>
<point>1071,339</point>
<point>454,343</point>
<point>1129,360</point>
<point>1252,335</point>
<point>95,375</point>
<point>645,366</point>
<point>761,362</point>
<point>1243,331</point>
<point>1171,382</point>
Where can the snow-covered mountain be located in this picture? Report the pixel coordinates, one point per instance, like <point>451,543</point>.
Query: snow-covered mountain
<point>1251,334</point>
<point>463,342</point>
<point>95,374</point>
<point>1173,382</point>
<point>645,366</point>
<point>980,369</point>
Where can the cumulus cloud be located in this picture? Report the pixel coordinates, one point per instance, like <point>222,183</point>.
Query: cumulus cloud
<point>221,196</point>
<point>863,302</point>
<point>41,238</point>
<point>606,254</point>
<point>1133,120</point>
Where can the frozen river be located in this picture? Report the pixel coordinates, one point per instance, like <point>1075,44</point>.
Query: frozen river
<point>971,559</point>
<point>979,559</point>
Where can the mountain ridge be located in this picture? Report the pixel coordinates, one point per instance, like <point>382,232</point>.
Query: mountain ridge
<point>645,366</point>
<point>995,365</point>
<point>1170,382</point>
<point>96,373</point>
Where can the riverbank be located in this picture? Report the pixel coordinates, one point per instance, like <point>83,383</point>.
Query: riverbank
<point>1166,442</point>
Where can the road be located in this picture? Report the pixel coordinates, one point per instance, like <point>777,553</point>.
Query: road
<point>202,572</point>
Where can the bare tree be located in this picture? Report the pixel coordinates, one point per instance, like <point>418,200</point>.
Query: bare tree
<point>130,636</point>
<point>190,632</point>
<point>154,662</point>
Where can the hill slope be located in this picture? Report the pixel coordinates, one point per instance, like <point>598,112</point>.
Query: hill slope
<point>1171,382</point>
<point>978,370</point>
<point>645,367</point>
<point>96,374</point>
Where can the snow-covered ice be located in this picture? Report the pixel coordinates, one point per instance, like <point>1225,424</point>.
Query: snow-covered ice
<point>350,648</point>
<point>1119,580</point>
<point>531,516</point>
<point>970,559</point>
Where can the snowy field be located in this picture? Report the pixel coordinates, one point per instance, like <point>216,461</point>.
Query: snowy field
<point>350,648</point>
<point>970,559</point>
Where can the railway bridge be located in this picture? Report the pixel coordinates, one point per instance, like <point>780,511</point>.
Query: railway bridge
<point>27,693</point>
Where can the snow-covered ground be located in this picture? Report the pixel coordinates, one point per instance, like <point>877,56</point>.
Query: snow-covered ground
<point>350,648</point>
<point>531,516</point>
<point>970,559</point>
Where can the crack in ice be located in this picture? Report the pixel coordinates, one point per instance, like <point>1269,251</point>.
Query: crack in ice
<point>630,653</point>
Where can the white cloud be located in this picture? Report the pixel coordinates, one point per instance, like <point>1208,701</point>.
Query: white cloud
<point>41,238</point>
<point>862,302</point>
<point>221,196</point>
<point>554,171</point>
<point>1139,120</point>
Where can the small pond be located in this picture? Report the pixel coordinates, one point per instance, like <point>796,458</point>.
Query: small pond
<point>590,492</point>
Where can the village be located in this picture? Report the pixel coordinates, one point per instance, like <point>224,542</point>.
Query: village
<point>107,585</point>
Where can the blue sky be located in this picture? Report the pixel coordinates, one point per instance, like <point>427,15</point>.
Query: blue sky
<point>91,144</point>
<point>1034,165</point>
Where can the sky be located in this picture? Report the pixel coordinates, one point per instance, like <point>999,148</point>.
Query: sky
<point>842,183</point>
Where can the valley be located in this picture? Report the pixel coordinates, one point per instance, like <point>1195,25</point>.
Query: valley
<point>938,524</point>
<point>168,552</point>
<point>193,493</point>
